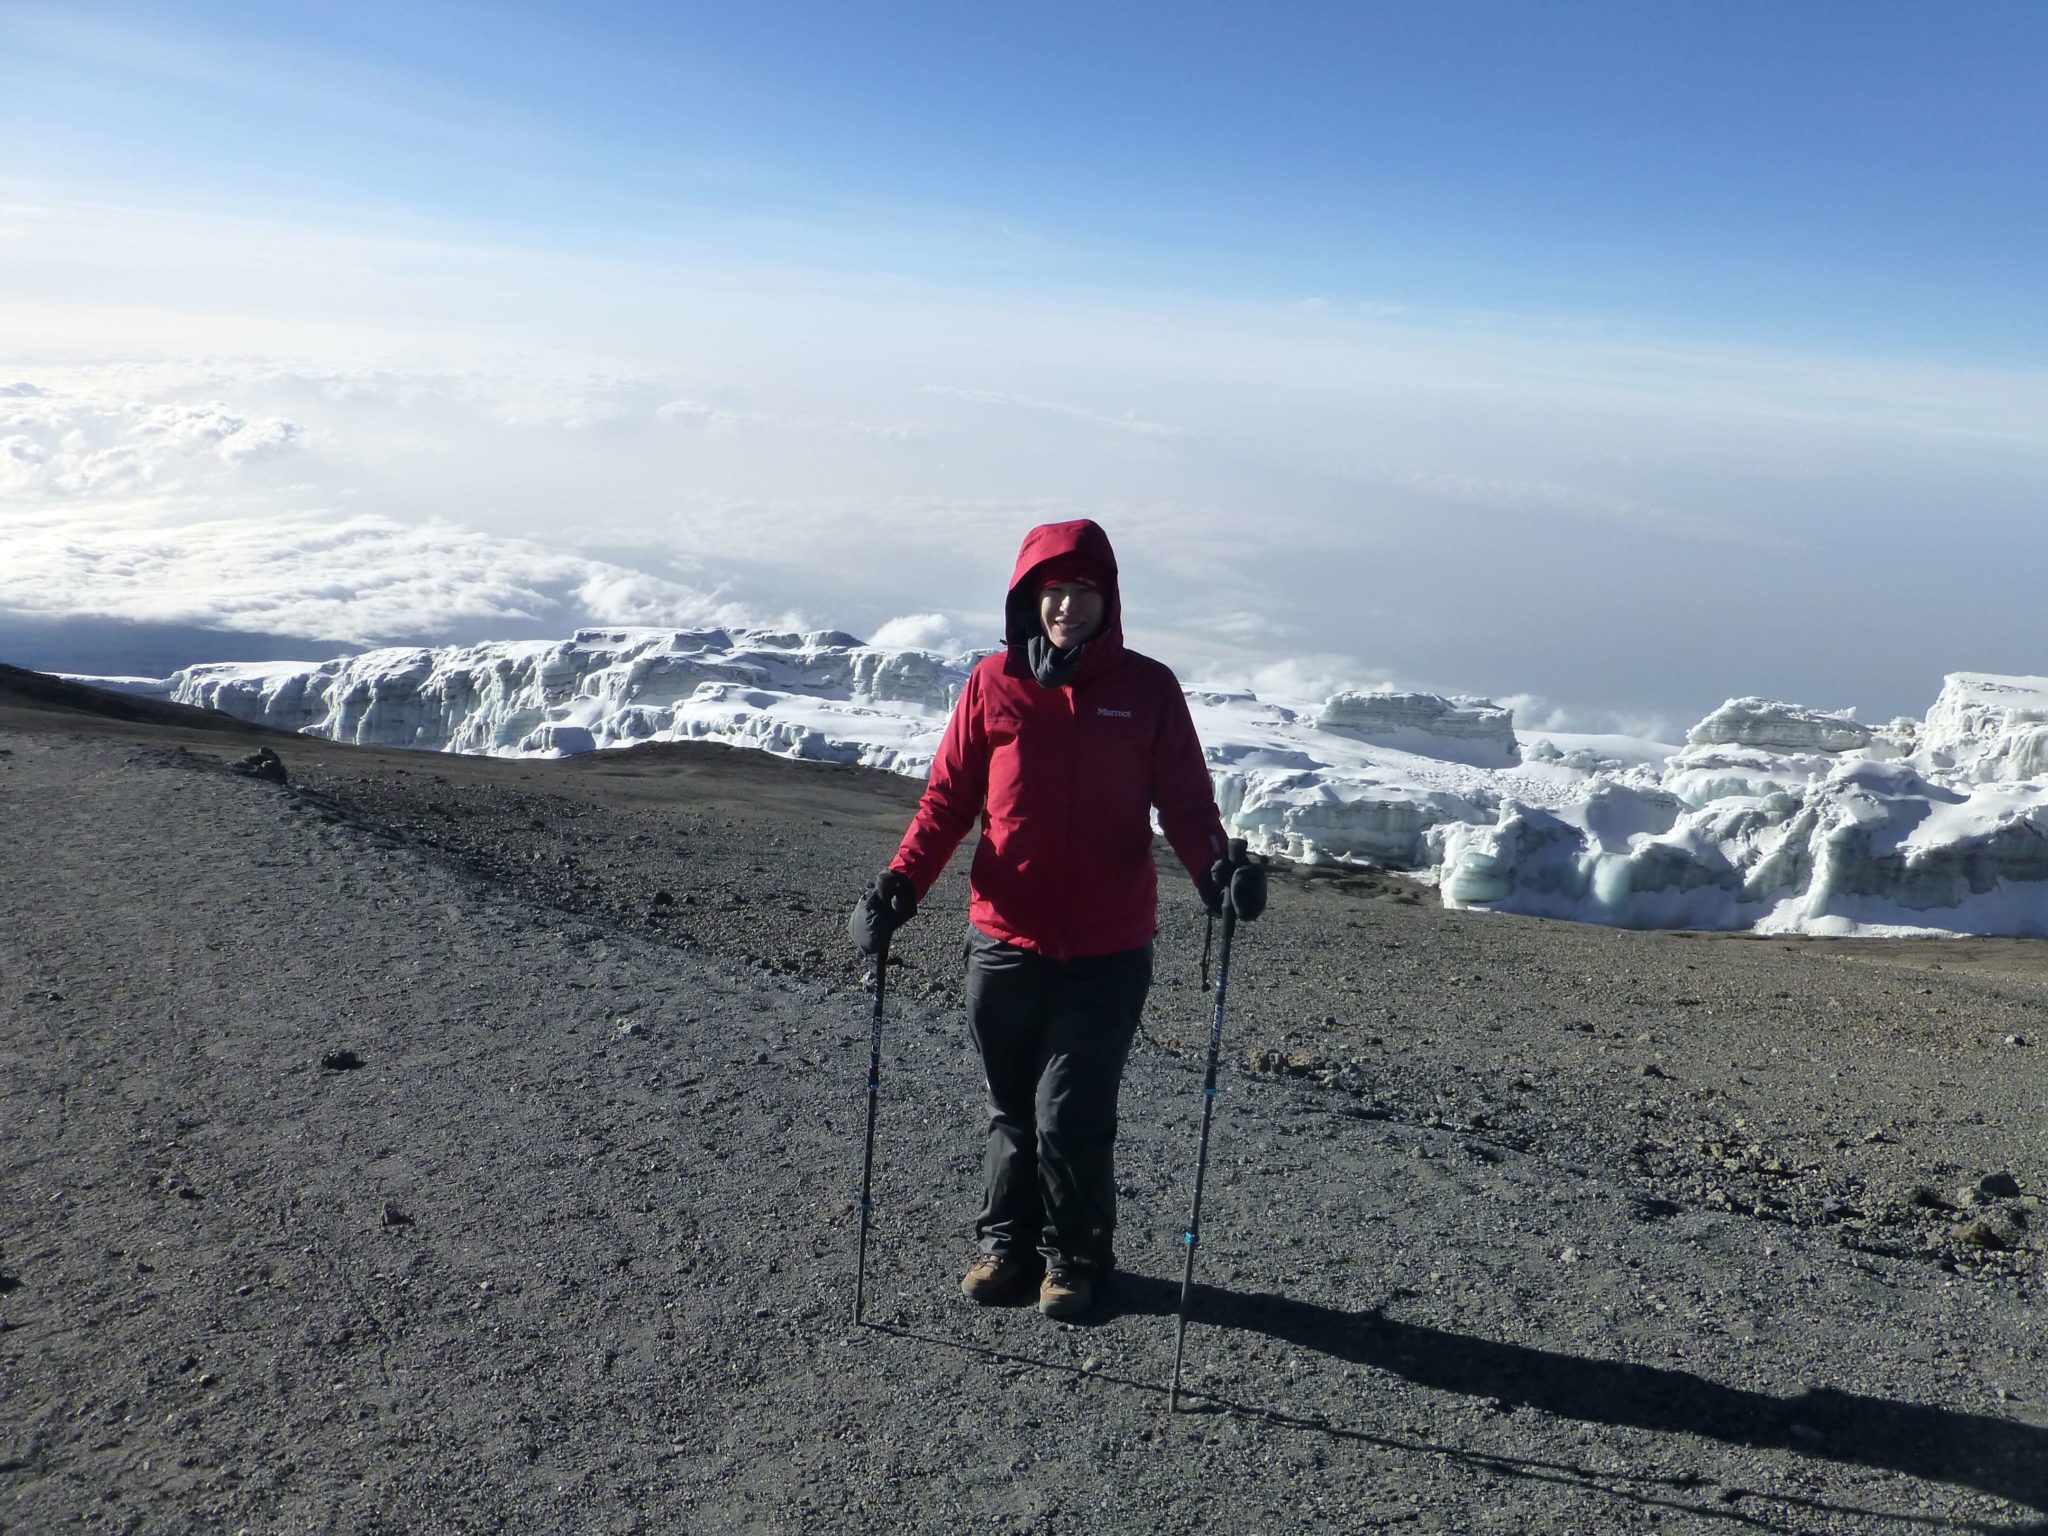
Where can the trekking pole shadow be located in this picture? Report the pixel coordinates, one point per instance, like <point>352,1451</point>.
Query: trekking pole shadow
<point>2000,1457</point>
<point>1664,1492</point>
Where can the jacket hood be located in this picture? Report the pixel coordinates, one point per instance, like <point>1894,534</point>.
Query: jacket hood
<point>1054,541</point>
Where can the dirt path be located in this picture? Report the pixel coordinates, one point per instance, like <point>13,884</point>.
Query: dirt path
<point>571,1248</point>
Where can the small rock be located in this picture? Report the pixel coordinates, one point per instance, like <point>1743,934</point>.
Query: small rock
<point>261,764</point>
<point>1981,1234</point>
<point>2017,1040</point>
<point>394,1217</point>
<point>1569,1256</point>
<point>632,1029</point>
<point>341,1061</point>
<point>1651,1069</point>
<point>664,899</point>
<point>1876,1139</point>
<point>1999,1186</point>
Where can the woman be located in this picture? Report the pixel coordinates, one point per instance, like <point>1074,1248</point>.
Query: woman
<point>1060,746</point>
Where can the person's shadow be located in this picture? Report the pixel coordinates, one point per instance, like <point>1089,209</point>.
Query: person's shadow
<point>2000,1457</point>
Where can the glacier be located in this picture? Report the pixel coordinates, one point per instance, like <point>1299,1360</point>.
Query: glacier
<point>1771,816</point>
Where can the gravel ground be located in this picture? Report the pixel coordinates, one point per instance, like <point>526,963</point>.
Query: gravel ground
<point>438,1144</point>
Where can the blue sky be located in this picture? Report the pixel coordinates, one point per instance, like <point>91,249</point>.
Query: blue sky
<point>1870,175</point>
<point>1580,288</point>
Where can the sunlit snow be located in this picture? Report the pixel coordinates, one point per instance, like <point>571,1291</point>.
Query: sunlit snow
<point>1772,816</point>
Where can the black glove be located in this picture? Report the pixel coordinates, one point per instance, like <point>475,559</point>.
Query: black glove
<point>1243,885</point>
<point>889,903</point>
<point>1248,891</point>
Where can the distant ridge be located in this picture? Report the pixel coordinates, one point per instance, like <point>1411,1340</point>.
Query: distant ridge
<point>39,690</point>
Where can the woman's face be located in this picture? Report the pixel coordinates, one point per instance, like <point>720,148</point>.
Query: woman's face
<point>1070,612</point>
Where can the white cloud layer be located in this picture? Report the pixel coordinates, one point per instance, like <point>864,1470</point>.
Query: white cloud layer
<point>719,419</point>
<point>923,632</point>
<point>1129,422</point>
<point>77,448</point>
<point>359,577</point>
<point>195,513</point>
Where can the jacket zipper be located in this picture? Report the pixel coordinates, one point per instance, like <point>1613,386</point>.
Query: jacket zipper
<point>1073,756</point>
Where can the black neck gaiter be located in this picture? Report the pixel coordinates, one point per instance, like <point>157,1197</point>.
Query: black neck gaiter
<point>1053,667</point>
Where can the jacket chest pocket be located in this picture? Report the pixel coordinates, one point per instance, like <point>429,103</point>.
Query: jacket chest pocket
<point>1031,761</point>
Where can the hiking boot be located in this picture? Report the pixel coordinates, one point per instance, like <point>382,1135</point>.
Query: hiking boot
<point>998,1277</point>
<point>1066,1293</point>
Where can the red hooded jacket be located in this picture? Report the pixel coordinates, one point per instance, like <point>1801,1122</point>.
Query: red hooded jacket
<point>1063,780</point>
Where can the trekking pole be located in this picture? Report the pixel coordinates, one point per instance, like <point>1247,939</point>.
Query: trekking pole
<point>1187,1277</point>
<point>867,1166</point>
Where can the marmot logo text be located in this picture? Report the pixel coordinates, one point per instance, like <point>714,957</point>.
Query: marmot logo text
<point>1121,714</point>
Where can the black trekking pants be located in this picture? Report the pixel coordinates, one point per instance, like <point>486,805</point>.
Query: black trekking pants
<point>1053,1037</point>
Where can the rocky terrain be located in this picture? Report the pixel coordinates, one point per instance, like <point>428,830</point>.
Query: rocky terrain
<point>428,1143</point>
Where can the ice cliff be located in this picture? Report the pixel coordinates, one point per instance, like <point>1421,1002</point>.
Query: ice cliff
<point>822,696</point>
<point>1783,819</point>
<point>1772,816</point>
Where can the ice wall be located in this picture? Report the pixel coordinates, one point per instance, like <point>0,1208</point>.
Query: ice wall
<point>1784,819</point>
<point>1989,729</point>
<point>822,696</point>
<point>1771,816</point>
<point>1474,731</point>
